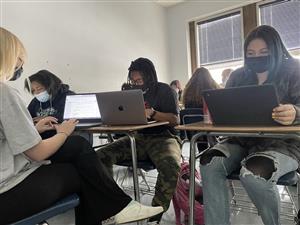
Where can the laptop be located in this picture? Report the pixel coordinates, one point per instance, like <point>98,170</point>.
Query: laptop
<point>246,105</point>
<point>84,108</point>
<point>122,107</point>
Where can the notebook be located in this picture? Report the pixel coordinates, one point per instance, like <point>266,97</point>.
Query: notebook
<point>246,105</point>
<point>83,107</point>
<point>122,107</point>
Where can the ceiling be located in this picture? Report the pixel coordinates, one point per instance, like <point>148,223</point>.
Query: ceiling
<point>168,3</point>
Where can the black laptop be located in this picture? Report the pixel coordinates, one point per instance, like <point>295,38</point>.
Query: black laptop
<point>245,105</point>
<point>83,107</point>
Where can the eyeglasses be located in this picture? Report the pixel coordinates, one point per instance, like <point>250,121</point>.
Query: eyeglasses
<point>138,81</point>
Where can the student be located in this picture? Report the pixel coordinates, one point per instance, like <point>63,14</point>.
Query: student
<point>201,80</point>
<point>50,95</point>
<point>175,84</point>
<point>28,183</point>
<point>263,160</point>
<point>158,144</point>
<point>225,76</point>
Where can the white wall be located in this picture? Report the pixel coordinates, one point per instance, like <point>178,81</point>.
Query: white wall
<point>89,45</point>
<point>178,17</point>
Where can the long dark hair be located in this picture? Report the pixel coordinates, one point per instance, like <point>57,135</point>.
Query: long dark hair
<point>147,70</point>
<point>51,82</point>
<point>278,52</point>
<point>201,80</point>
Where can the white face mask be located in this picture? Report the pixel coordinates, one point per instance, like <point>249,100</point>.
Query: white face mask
<point>43,96</point>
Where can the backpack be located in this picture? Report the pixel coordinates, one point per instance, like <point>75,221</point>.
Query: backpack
<point>181,196</point>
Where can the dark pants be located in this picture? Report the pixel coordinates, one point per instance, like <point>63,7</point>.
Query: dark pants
<point>75,168</point>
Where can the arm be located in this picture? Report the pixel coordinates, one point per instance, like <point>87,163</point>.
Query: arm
<point>161,116</point>
<point>289,114</point>
<point>45,148</point>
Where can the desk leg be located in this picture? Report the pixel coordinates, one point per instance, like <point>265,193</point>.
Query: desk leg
<point>192,177</point>
<point>134,168</point>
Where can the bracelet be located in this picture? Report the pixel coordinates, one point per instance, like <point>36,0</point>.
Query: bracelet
<point>61,132</point>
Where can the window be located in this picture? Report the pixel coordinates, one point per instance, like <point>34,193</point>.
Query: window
<point>284,16</point>
<point>220,39</point>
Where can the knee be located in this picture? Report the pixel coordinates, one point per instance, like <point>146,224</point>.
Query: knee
<point>170,166</point>
<point>207,157</point>
<point>104,157</point>
<point>77,146</point>
<point>260,166</point>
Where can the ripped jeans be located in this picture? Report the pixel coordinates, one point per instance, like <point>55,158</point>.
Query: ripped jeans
<point>263,193</point>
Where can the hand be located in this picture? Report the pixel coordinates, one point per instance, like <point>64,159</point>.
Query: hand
<point>66,127</point>
<point>46,123</point>
<point>284,114</point>
<point>149,112</point>
<point>37,119</point>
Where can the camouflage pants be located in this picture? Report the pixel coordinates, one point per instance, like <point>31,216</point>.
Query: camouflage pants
<point>163,150</point>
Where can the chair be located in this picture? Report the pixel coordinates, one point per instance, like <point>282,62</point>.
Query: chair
<point>187,116</point>
<point>193,115</point>
<point>288,180</point>
<point>61,206</point>
<point>146,165</point>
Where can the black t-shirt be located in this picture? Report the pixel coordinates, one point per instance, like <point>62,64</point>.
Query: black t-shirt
<point>162,99</point>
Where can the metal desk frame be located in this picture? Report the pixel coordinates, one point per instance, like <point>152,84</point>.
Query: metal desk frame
<point>210,130</point>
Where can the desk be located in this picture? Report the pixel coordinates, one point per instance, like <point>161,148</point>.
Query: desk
<point>129,131</point>
<point>279,131</point>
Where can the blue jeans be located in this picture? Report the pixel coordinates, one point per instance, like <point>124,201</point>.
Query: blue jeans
<point>263,193</point>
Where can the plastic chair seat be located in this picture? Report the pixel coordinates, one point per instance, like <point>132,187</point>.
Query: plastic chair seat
<point>61,206</point>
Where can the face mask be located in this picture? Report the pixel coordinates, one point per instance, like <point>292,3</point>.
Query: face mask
<point>258,64</point>
<point>17,74</point>
<point>142,87</point>
<point>43,96</point>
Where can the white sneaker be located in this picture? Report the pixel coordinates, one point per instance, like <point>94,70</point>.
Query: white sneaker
<point>109,221</point>
<point>135,211</point>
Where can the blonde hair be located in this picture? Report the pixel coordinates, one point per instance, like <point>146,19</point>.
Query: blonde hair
<point>12,52</point>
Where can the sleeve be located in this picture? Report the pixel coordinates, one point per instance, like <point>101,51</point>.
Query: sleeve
<point>232,80</point>
<point>18,127</point>
<point>169,102</point>
<point>294,92</point>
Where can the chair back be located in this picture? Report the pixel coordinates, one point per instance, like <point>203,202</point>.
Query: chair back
<point>187,116</point>
<point>61,206</point>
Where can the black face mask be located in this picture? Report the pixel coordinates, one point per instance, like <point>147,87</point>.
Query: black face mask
<point>17,74</point>
<point>258,64</point>
<point>143,87</point>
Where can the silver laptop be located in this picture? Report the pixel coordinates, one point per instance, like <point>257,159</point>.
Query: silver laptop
<point>122,107</point>
<point>83,107</point>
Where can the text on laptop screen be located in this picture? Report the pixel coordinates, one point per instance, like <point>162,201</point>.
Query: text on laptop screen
<point>81,107</point>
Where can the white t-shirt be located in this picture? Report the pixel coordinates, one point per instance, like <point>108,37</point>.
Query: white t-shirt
<point>17,134</point>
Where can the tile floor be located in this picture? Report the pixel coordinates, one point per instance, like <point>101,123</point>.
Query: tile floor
<point>238,217</point>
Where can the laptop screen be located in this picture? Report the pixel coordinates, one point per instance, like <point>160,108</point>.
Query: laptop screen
<point>81,106</point>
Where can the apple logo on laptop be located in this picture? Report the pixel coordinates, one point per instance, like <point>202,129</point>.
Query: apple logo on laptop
<point>121,108</point>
